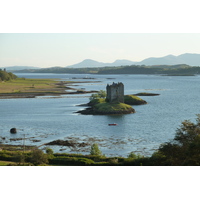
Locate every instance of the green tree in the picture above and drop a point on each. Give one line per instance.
(49, 151)
(38, 157)
(95, 150)
(184, 149)
(99, 95)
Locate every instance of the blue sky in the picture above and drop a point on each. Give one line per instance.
(63, 49)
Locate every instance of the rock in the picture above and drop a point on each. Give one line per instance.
(146, 94)
(13, 130)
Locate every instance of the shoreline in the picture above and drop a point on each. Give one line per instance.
(58, 88)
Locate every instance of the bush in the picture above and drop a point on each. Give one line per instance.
(4, 76)
(95, 150)
(99, 95)
(38, 157)
(74, 161)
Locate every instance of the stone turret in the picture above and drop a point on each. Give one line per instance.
(115, 92)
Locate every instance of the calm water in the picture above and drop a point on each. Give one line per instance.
(46, 118)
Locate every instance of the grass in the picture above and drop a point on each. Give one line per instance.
(133, 100)
(22, 85)
(5, 163)
(112, 107)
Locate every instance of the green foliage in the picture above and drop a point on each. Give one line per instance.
(95, 150)
(96, 101)
(185, 148)
(49, 151)
(132, 155)
(38, 157)
(99, 95)
(112, 107)
(5, 76)
(133, 100)
(19, 158)
(71, 161)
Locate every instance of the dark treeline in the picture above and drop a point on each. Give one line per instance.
(181, 69)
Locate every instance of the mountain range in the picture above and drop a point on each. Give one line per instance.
(187, 58)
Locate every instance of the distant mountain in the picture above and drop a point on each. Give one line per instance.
(92, 63)
(122, 63)
(187, 58)
(15, 68)
(87, 63)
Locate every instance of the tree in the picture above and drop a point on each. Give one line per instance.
(38, 157)
(184, 149)
(95, 150)
(49, 151)
(99, 95)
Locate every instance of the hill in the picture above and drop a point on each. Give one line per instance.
(88, 63)
(187, 58)
(15, 68)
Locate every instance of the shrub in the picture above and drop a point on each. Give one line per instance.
(95, 150)
(38, 157)
(100, 94)
(74, 161)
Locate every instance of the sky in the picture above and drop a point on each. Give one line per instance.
(52, 33)
(64, 49)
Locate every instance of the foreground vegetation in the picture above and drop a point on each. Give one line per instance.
(183, 150)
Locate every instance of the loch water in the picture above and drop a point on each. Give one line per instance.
(44, 119)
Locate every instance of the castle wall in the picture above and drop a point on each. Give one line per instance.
(115, 92)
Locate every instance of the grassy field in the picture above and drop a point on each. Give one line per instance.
(21, 85)
(5, 163)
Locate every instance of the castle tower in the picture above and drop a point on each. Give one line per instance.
(115, 92)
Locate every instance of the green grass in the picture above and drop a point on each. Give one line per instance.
(21, 85)
(133, 100)
(5, 163)
(112, 107)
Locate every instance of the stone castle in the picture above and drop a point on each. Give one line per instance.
(115, 92)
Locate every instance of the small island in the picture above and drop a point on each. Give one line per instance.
(113, 101)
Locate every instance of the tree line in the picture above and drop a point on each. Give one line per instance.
(180, 69)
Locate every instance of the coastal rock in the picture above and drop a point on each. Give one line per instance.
(67, 143)
(146, 94)
(13, 130)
